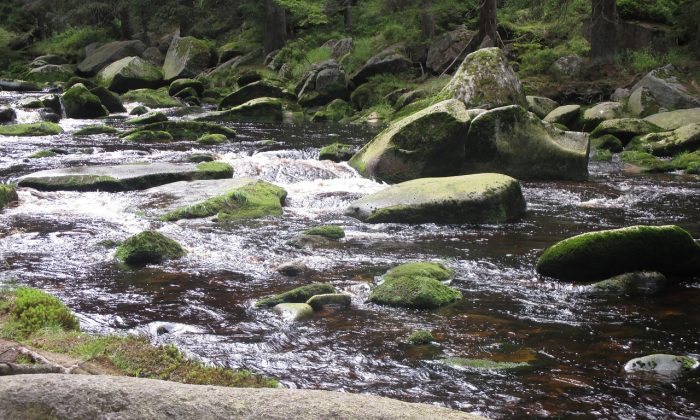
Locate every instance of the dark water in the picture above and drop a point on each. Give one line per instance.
(579, 342)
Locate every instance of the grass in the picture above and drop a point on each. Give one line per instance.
(646, 60)
(70, 42)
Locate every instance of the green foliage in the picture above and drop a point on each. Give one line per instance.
(647, 60)
(307, 12)
(647, 10)
(32, 310)
(70, 42)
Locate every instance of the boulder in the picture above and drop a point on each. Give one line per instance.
(227, 199)
(51, 73)
(187, 57)
(641, 103)
(181, 84)
(420, 337)
(18, 86)
(148, 118)
(294, 311)
(641, 283)
(120, 177)
(7, 115)
(408, 98)
(139, 110)
(53, 103)
(96, 129)
(329, 301)
(427, 143)
(601, 112)
(152, 98)
(514, 142)
(47, 59)
(336, 110)
(675, 119)
(389, 61)
(248, 78)
(684, 139)
(108, 54)
(625, 128)
(485, 364)
(130, 73)
(337, 152)
(569, 66)
(481, 198)
(147, 136)
(322, 83)
(566, 115)
(666, 89)
(259, 109)
(31, 130)
(292, 268)
(485, 80)
(540, 105)
(297, 295)
(328, 232)
(447, 49)
(8, 195)
(249, 92)
(620, 94)
(600, 255)
(186, 130)
(149, 247)
(109, 99)
(339, 47)
(79, 102)
(416, 285)
(154, 56)
(212, 139)
(663, 364)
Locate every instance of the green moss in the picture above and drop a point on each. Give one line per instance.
(34, 129)
(71, 42)
(258, 200)
(625, 128)
(186, 130)
(181, 84)
(96, 129)
(484, 364)
(420, 337)
(43, 154)
(147, 136)
(32, 310)
(416, 285)
(689, 162)
(152, 98)
(607, 142)
(149, 247)
(336, 110)
(200, 157)
(212, 139)
(330, 232)
(297, 295)
(79, 102)
(8, 194)
(214, 170)
(600, 255)
(337, 152)
(646, 161)
(148, 118)
(602, 155)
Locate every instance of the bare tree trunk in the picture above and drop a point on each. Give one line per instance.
(604, 27)
(487, 22)
(427, 22)
(275, 27)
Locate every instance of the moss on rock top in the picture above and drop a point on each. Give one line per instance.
(149, 247)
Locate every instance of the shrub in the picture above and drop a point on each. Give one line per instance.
(33, 310)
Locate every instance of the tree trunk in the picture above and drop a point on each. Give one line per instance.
(427, 22)
(604, 27)
(275, 27)
(125, 21)
(487, 22)
(347, 15)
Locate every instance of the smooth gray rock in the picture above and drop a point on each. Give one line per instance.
(168, 197)
(667, 90)
(540, 105)
(108, 54)
(641, 103)
(566, 115)
(663, 364)
(446, 49)
(672, 120)
(89, 397)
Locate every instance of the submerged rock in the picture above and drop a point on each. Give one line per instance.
(186, 57)
(186, 130)
(96, 129)
(481, 198)
(297, 295)
(634, 284)
(514, 142)
(130, 73)
(30, 130)
(427, 143)
(337, 152)
(228, 200)
(292, 268)
(675, 119)
(329, 232)
(600, 255)
(294, 311)
(486, 80)
(120, 177)
(8, 195)
(149, 247)
(416, 285)
(663, 364)
(420, 337)
(79, 102)
(484, 364)
(329, 301)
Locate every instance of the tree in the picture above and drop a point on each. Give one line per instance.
(275, 33)
(604, 27)
(488, 29)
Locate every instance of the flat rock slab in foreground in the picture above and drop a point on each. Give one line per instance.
(480, 198)
(91, 397)
(122, 177)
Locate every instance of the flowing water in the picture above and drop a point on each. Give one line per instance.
(205, 301)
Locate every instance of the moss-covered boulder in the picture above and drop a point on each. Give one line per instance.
(416, 285)
(672, 120)
(512, 141)
(8, 195)
(259, 109)
(182, 84)
(149, 247)
(130, 73)
(297, 295)
(51, 73)
(329, 232)
(481, 198)
(7, 115)
(329, 301)
(540, 105)
(109, 53)
(625, 128)
(566, 115)
(664, 364)
(642, 103)
(127, 177)
(294, 311)
(148, 136)
(485, 80)
(389, 61)
(607, 142)
(109, 99)
(249, 92)
(227, 199)
(598, 113)
(148, 118)
(186, 130)
(152, 98)
(212, 139)
(600, 255)
(336, 110)
(187, 57)
(139, 110)
(683, 139)
(337, 152)
(92, 130)
(31, 130)
(79, 102)
(427, 143)
(641, 283)
(420, 337)
(44, 154)
(645, 162)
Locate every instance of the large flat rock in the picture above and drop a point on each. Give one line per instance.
(112, 397)
(118, 177)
